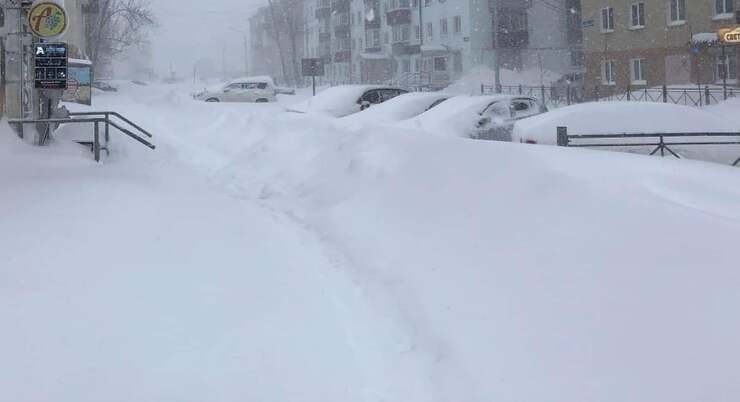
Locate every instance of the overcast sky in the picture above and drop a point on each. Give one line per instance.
(190, 30)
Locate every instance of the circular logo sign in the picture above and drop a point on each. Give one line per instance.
(47, 19)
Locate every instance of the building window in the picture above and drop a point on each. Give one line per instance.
(725, 68)
(430, 30)
(723, 8)
(406, 66)
(677, 11)
(637, 71)
(440, 64)
(457, 24)
(576, 58)
(400, 33)
(607, 19)
(417, 32)
(443, 26)
(607, 73)
(637, 14)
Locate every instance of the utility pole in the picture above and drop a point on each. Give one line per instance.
(246, 56)
(496, 50)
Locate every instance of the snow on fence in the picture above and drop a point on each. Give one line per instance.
(556, 96)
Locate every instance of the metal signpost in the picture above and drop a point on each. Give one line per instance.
(312, 67)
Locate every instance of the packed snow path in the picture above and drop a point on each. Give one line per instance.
(264, 256)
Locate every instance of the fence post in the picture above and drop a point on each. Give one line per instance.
(567, 94)
(665, 93)
(543, 94)
(662, 147)
(629, 92)
(482, 89)
(499, 88)
(562, 136)
(596, 92)
(706, 95)
(521, 89)
(96, 143)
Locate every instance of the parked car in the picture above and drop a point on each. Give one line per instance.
(344, 100)
(250, 89)
(480, 117)
(400, 108)
(498, 118)
(104, 86)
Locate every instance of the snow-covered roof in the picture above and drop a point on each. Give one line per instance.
(705, 37)
(79, 61)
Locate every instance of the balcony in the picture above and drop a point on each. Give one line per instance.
(512, 40)
(344, 56)
(404, 49)
(376, 49)
(340, 6)
(399, 16)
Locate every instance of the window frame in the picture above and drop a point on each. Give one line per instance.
(611, 79)
(640, 15)
(727, 13)
(607, 16)
(634, 79)
(680, 9)
(731, 61)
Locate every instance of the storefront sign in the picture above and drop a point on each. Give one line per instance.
(729, 36)
(79, 84)
(50, 65)
(47, 20)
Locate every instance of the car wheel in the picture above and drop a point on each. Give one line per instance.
(212, 100)
(261, 100)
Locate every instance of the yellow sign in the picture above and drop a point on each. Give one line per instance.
(47, 20)
(730, 35)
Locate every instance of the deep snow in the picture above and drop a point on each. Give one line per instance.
(263, 255)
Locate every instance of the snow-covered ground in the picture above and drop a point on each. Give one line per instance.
(272, 256)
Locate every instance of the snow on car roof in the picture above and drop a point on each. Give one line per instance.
(257, 78)
(399, 108)
(455, 116)
(337, 101)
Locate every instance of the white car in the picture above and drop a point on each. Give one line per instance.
(480, 117)
(344, 100)
(250, 89)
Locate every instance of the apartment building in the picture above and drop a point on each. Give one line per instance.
(555, 36)
(633, 43)
(431, 43)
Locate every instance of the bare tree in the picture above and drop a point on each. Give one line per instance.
(115, 26)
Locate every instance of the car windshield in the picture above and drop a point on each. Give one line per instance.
(369, 201)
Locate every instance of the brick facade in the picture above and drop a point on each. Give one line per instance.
(670, 54)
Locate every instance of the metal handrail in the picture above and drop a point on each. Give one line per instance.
(114, 114)
(95, 121)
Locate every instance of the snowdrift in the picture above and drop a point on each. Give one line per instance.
(287, 258)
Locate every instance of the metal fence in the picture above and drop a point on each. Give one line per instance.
(564, 95)
(663, 142)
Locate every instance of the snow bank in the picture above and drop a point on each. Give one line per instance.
(470, 83)
(399, 108)
(631, 117)
(276, 256)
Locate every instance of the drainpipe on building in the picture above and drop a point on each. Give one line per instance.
(496, 60)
